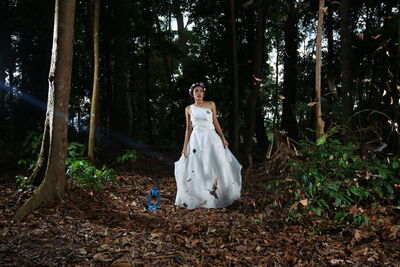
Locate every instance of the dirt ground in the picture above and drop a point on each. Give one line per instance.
(114, 228)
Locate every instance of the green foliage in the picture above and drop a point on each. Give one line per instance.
(76, 150)
(333, 180)
(84, 173)
(30, 150)
(88, 175)
(128, 156)
(21, 180)
(257, 221)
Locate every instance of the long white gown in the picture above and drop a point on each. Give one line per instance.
(209, 176)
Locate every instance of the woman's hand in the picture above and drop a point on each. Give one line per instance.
(184, 152)
(225, 143)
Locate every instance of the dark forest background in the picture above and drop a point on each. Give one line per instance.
(314, 123)
(152, 51)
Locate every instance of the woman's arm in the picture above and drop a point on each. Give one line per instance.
(188, 131)
(217, 126)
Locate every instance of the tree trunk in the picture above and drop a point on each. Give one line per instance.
(346, 60)
(11, 70)
(94, 110)
(5, 37)
(261, 131)
(5, 49)
(396, 89)
(148, 108)
(107, 68)
(319, 127)
(39, 172)
(235, 89)
(121, 122)
(258, 60)
(330, 56)
(289, 122)
(164, 51)
(182, 40)
(53, 185)
(276, 95)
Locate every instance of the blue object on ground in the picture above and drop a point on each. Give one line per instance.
(153, 199)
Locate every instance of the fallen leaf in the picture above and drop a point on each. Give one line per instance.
(336, 261)
(394, 230)
(157, 234)
(304, 202)
(107, 239)
(213, 217)
(353, 209)
(193, 229)
(241, 248)
(101, 257)
(357, 235)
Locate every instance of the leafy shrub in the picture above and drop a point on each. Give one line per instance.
(30, 150)
(129, 155)
(76, 150)
(21, 180)
(84, 173)
(333, 179)
(88, 175)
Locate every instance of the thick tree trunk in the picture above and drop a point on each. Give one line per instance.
(289, 122)
(121, 122)
(53, 185)
(258, 60)
(346, 60)
(94, 109)
(235, 89)
(319, 123)
(39, 172)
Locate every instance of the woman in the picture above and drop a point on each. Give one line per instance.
(207, 174)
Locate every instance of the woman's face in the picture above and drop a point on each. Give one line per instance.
(198, 93)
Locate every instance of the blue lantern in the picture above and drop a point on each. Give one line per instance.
(153, 199)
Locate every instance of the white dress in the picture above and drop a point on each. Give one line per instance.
(209, 176)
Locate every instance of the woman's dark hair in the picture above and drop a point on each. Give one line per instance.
(196, 85)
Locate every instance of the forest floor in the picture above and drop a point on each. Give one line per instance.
(113, 228)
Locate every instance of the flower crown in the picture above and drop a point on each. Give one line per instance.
(195, 85)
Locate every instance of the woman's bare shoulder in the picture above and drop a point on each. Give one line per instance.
(210, 103)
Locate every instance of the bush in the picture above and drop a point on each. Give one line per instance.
(129, 155)
(88, 175)
(76, 150)
(333, 180)
(30, 150)
(84, 173)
